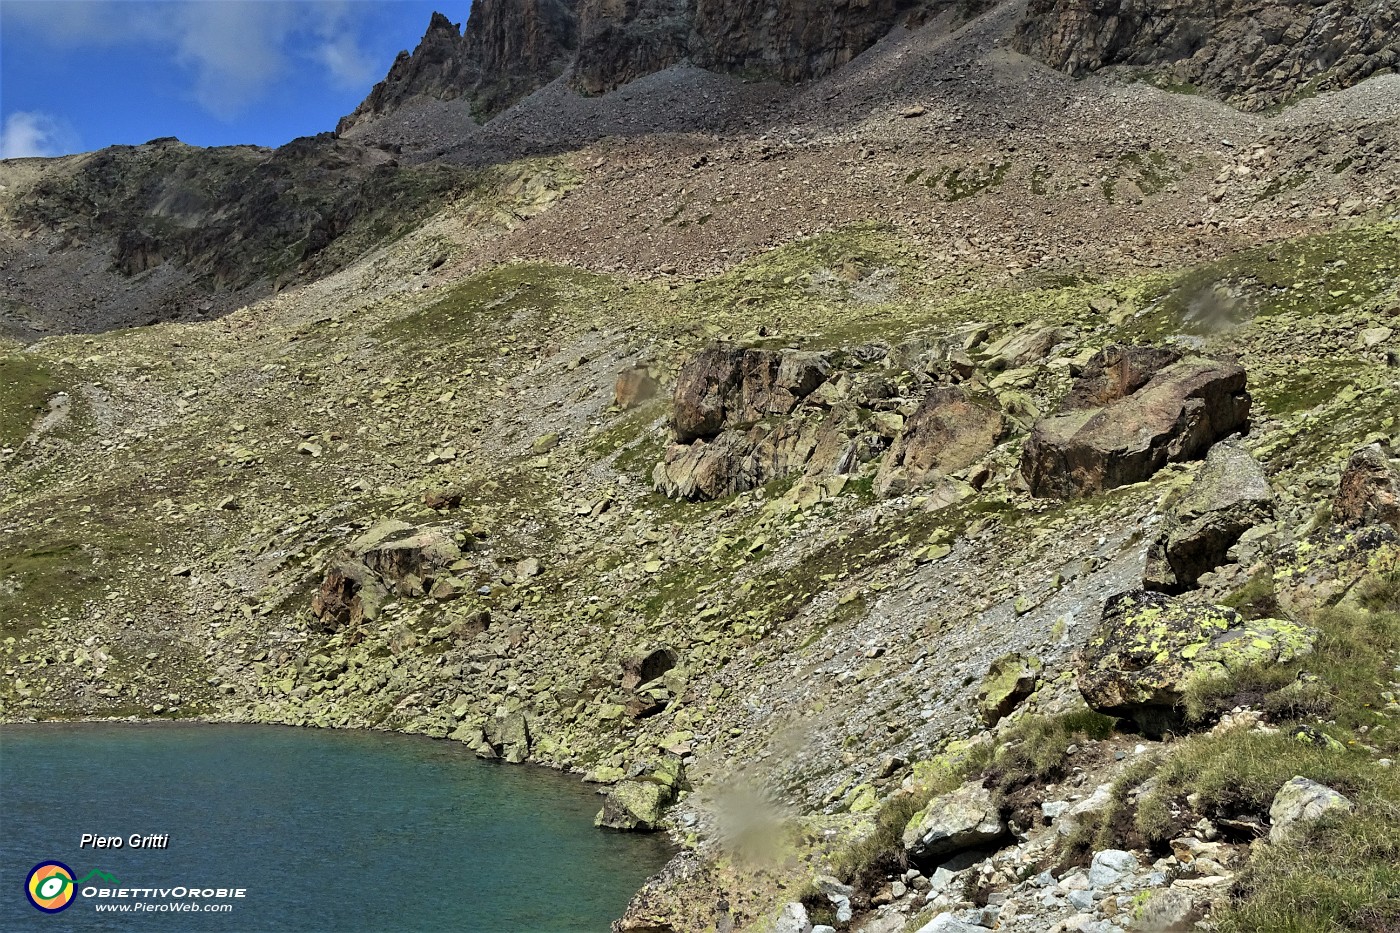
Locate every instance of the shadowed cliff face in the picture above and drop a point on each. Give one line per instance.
(510, 48)
(792, 40)
(1254, 53)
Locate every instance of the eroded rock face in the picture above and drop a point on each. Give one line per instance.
(1255, 53)
(1230, 495)
(1369, 493)
(949, 431)
(727, 386)
(1150, 647)
(963, 819)
(1175, 416)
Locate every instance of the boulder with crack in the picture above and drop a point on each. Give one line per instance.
(1175, 416)
(728, 386)
(1369, 493)
(1230, 495)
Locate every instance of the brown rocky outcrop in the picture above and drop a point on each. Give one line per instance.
(949, 431)
(1255, 53)
(787, 40)
(727, 387)
(350, 593)
(1369, 493)
(644, 668)
(1176, 416)
(1230, 495)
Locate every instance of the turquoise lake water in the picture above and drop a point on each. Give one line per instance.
(325, 830)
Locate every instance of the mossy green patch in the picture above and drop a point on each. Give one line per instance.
(27, 383)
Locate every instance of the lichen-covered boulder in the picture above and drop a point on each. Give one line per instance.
(1150, 647)
(1176, 416)
(1230, 495)
(634, 806)
(645, 666)
(963, 819)
(727, 386)
(947, 432)
(409, 563)
(1009, 680)
(1369, 492)
(1302, 801)
(639, 803)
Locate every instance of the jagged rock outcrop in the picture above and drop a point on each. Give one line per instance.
(1302, 801)
(727, 387)
(1114, 373)
(638, 803)
(1150, 647)
(509, 49)
(1369, 493)
(392, 556)
(1176, 416)
(1255, 53)
(1230, 495)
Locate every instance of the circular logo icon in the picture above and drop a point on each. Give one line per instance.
(50, 886)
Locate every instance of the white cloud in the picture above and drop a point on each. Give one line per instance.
(234, 50)
(27, 134)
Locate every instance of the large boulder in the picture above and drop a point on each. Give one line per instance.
(639, 803)
(949, 431)
(726, 386)
(1302, 801)
(1030, 344)
(963, 819)
(1369, 493)
(646, 666)
(1150, 647)
(1176, 416)
(1230, 495)
(410, 563)
(739, 460)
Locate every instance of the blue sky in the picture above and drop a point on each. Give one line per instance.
(77, 75)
